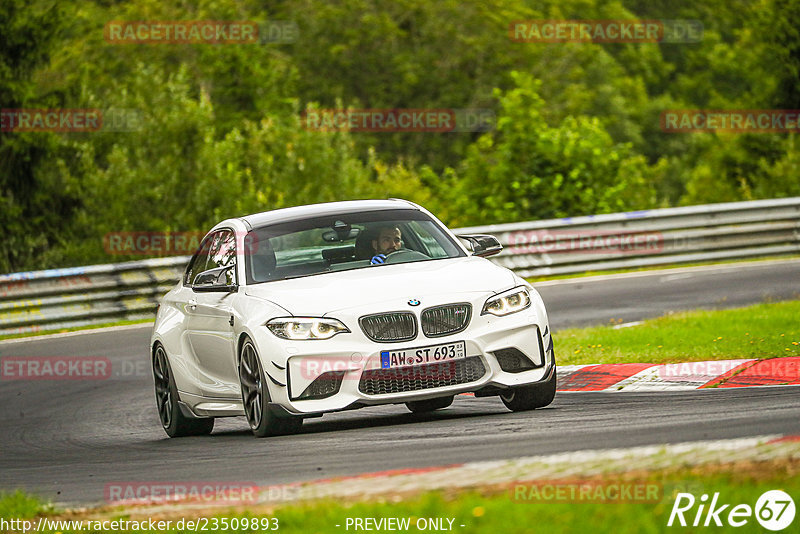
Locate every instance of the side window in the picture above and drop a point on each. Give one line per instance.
(198, 262)
(217, 250)
(223, 251)
(223, 254)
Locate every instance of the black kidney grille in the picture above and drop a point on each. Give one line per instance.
(444, 320)
(420, 377)
(389, 327)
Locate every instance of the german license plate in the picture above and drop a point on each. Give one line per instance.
(394, 359)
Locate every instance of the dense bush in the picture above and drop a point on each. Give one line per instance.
(221, 133)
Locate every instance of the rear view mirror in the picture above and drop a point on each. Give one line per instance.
(341, 232)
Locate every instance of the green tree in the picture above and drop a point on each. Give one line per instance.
(528, 169)
(35, 205)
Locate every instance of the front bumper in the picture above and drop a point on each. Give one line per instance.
(353, 357)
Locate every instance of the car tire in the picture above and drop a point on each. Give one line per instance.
(173, 421)
(523, 398)
(255, 398)
(429, 405)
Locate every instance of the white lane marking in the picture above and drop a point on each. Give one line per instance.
(626, 325)
(663, 272)
(79, 333)
(672, 277)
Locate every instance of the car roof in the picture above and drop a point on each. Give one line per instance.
(329, 208)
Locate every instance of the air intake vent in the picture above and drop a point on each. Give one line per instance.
(420, 377)
(513, 360)
(325, 385)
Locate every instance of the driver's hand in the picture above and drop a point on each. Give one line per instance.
(378, 259)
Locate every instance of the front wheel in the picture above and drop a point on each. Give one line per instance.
(523, 398)
(173, 421)
(255, 398)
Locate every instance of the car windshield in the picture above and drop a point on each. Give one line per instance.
(344, 242)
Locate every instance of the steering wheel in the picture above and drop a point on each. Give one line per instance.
(405, 255)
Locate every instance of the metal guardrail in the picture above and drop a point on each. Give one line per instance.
(711, 232)
(64, 298)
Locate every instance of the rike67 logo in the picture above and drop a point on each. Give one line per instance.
(774, 510)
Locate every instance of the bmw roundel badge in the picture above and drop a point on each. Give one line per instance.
(413, 302)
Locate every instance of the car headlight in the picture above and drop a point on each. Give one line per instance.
(509, 302)
(297, 328)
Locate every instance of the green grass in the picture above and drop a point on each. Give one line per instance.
(765, 330)
(497, 510)
(21, 505)
(502, 513)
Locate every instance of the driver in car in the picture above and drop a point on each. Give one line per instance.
(388, 240)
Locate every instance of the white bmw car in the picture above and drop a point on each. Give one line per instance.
(296, 312)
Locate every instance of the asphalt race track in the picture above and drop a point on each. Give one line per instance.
(68, 439)
(581, 302)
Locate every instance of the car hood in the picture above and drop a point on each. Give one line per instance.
(385, 286)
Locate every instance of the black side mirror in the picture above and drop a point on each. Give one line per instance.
(482, 245)
(215, 280)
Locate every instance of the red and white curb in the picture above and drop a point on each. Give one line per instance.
(679, 376)
(391, 485)
(579, 464)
